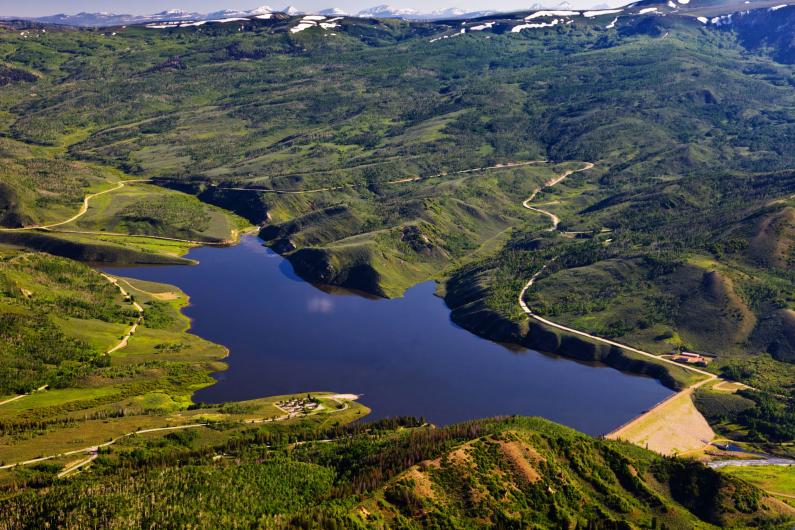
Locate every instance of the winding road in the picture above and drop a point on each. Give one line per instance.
(51, 227)
(122, 343)
(126, 338)
(79, 214)
(555, 222)
(560, 178)
(15, 398)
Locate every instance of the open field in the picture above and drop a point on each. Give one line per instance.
(776, 480)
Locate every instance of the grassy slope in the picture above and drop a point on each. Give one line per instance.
(71, 299)
(775, 479)
(70, 315)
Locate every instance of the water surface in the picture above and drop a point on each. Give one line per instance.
(404, 356)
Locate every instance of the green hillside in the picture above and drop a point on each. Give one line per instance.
(638, 165)
(503, 473)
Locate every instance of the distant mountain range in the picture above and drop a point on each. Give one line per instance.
(379, 11)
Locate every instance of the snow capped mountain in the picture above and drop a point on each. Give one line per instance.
(174, 12)
(231, 13)
(562, 6)
(103, 19)
(332, 12)
(262, 10)
(225, 13)
(386, 11)
(113, 19)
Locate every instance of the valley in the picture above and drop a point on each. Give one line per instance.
(337, 211)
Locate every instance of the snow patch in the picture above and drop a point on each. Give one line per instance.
(647, 10)
(231, 19)
(481, 27)
(265, 16)
(776, 8)
(164, 25)
(314, 21)
(683, 2)
(724, 20)
(612, 24)
(447, 36)
(540, 14)
(302, 26)
(703, 20)
(520, 27)
(599, 12)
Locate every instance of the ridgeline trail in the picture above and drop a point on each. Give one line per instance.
(506, 165)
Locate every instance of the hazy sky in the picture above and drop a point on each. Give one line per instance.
(49, 7)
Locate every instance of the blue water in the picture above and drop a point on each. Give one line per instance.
(404, 356)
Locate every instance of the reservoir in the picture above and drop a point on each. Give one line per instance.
(404, 356)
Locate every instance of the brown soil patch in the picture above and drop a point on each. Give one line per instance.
(460, 456)
(168, 295)
(674, 427)
(518, 455)
(778, 506)
(435, 463)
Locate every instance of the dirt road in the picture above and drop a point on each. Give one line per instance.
(647, 426)
(79, 214)
(126, 338)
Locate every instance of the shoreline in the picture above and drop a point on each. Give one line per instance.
(585, 363)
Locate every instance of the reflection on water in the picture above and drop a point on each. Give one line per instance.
(404, 356)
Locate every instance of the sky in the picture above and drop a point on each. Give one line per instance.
(49, 7)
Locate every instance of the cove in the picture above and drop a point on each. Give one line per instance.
(404, 356)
